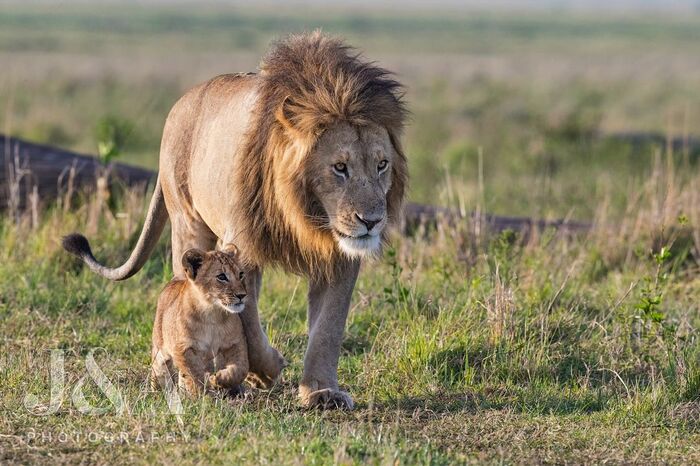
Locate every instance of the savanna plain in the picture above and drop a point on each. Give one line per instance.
(463, 345)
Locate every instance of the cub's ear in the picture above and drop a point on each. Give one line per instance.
(192, 260)
(231, 249)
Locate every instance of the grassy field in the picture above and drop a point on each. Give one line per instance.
(461, 347)
(537, 93)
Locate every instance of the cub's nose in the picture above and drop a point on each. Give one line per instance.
(240, 296)
(368, 222)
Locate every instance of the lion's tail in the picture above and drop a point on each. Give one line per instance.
(156, 217)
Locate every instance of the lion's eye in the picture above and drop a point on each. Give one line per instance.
(340, 169)
(382, 165)
(222, 277)
(240, 276)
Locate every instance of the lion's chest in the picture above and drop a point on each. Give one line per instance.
(214, 337)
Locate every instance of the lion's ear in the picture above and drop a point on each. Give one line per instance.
(192, 260)
(399, 178)
(283, 115)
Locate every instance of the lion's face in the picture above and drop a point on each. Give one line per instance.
(219, 276)
(350, 176)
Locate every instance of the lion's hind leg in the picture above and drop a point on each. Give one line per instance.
(162, 371)
(187, 232)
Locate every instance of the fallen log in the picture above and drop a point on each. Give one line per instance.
(687, 146)
(50, 172)
(423, 215)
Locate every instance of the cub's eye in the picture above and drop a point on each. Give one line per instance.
(382, 165)
(340, 169)
(241, 276)
(222, 277)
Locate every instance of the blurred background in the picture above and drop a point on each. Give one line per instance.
(547, 109)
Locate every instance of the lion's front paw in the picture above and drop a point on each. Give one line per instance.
(326, 398)
(212, 382)
(266, 370)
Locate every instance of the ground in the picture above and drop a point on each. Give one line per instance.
(462, 345)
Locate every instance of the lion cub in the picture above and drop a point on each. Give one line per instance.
(197, 329)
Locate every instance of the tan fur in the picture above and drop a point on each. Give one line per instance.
(308, 84)
(299, 165)
(195, 337)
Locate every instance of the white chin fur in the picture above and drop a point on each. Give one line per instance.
(360, 247)
(235, 308)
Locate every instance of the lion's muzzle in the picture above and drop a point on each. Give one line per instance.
(362, 235)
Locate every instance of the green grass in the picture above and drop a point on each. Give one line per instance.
(460, 347)
(533, 92)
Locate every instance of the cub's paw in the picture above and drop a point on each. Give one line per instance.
(265, 371)
(190, 387)
(327, 398)
(216, 388)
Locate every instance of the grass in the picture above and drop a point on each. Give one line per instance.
(460, 347)
(537, 93)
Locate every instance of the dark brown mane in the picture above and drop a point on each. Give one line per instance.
(308, 82)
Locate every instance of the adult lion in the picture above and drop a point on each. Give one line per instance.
(301, 167)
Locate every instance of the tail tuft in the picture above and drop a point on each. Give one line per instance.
(77, 244)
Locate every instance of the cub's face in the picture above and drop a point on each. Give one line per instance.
(351, 175)
(219, 276)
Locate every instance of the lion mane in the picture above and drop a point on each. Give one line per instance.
(308, 82)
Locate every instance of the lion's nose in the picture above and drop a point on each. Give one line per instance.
(369, 223)
(240, 296)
